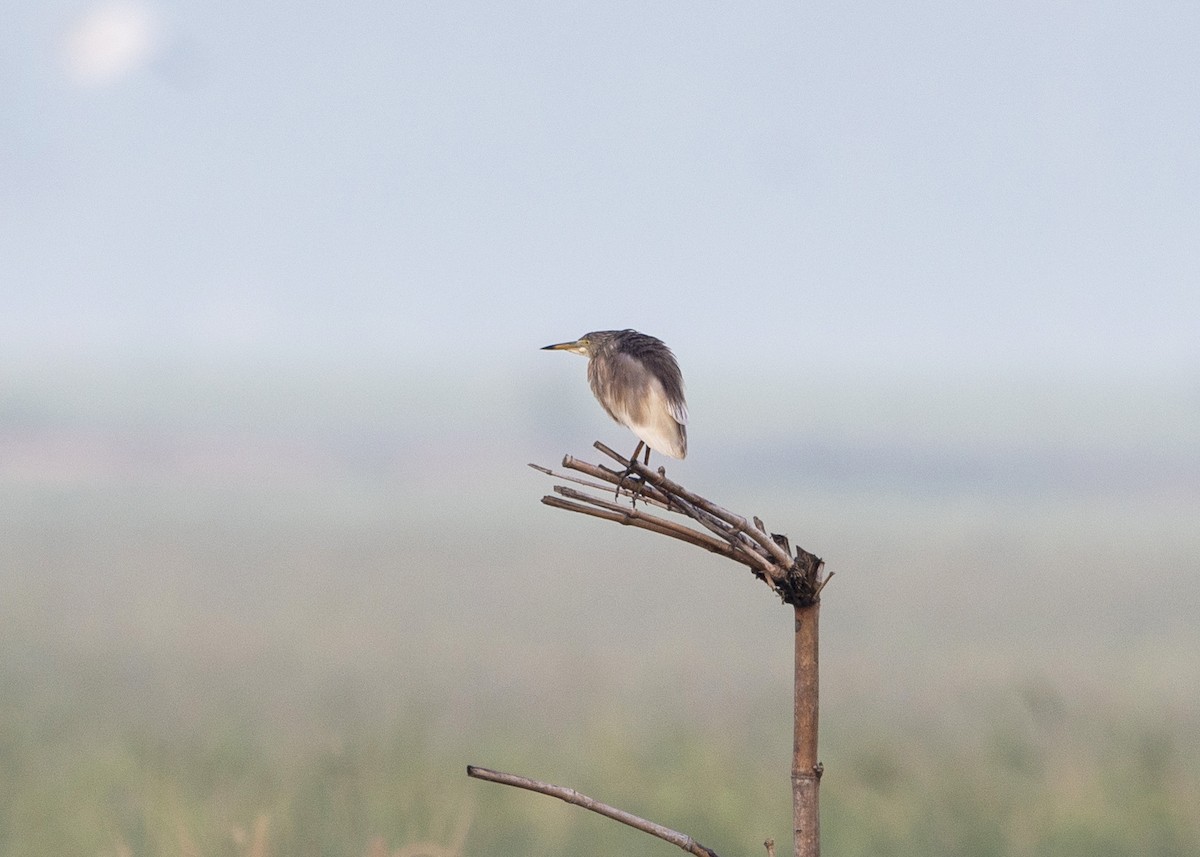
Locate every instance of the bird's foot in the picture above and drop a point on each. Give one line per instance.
(632, 475)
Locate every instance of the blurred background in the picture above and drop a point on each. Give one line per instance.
(273, 280)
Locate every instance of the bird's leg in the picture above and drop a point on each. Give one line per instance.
(629, 471)
(641, 482)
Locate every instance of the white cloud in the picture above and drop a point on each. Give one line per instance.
(109, 41)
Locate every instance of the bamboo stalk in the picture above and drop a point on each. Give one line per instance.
(806, 767)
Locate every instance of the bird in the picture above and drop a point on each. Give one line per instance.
(637, 381)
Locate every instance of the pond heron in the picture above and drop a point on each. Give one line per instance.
(637, 381)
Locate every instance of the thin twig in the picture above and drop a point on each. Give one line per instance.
(767, 554)
(659, 480)
(633, 518)
(821, 585)
(671, 499)
(652, 499)
(568, 477)
(569, 795)
(720, 527)
(753, 548)
(644, 490)
(628, 518)
(734, 549)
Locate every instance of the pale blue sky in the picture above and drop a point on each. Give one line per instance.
(945, 187)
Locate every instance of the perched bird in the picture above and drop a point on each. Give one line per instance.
(637, 381)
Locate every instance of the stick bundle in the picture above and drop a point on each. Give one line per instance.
(796, 579)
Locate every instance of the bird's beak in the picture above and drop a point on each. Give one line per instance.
(576, 347)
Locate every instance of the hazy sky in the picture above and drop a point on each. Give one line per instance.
(935, 187)
(783, 191)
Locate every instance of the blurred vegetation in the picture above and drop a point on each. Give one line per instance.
(109, 758)
(281, 621)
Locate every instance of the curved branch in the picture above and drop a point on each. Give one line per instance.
(571, 796)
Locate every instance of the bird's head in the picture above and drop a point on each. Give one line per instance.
(584, 345)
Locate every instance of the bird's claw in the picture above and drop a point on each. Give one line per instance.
(630, 474)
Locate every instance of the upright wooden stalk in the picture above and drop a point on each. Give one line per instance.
(797, 581)
(806, 768)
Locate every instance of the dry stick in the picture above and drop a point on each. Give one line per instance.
(653, 498)
(744, 550)
(632, 513)
(716, 525)
(642, 522)
(613, 478)
(733, 549)
(657, 479)
(672, 502)
(647, 491)
(567, 477)
(654, 525)
(571, 796)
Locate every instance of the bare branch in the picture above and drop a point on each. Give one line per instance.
(661, 481)
(624, 485)
(569, 795)
(768, 555)
(720, 527)
(568, 477)
(633, 518)
(655, 496)
(666, 494)
(730, 545)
